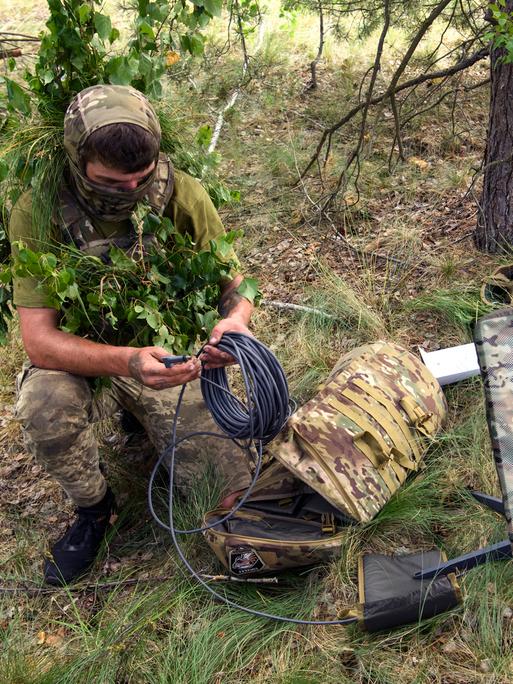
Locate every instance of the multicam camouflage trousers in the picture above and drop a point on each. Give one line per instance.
(57, 411)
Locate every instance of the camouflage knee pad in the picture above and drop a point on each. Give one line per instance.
(54, 408)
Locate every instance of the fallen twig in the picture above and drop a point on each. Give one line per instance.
(237, 91)
(229, 578)
(43, 590)
(296, 307)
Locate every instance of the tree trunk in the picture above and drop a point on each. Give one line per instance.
(494, 230)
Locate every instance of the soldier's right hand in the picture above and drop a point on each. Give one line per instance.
(147, 367)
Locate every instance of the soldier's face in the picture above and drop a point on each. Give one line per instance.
(97, 172)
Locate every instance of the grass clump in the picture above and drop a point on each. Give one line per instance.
(460, 308)
(338, 320)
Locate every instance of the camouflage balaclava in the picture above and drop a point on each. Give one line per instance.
(90, 110)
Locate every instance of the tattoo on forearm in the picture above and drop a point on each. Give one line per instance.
(228, 302)
(134, 366)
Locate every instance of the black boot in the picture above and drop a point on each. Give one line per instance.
(130, 424)
(76, 551)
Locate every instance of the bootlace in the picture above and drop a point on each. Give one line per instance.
(85, 524)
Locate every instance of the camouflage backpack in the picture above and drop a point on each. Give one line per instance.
(338, 461)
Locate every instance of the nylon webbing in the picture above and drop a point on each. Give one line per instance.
(359, 441)
(327, 472)
(389, 406)
(381, 417)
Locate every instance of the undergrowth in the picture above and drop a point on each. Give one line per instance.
(397, 266)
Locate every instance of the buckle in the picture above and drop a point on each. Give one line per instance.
(328, 524)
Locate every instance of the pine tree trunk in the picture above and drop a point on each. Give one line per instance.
(494, 230)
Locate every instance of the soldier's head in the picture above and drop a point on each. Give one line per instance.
(112, 141)
(121, 155)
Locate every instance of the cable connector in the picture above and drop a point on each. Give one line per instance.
(170, 361)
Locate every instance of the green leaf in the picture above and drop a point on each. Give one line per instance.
(121, 70)
(197, 45)
(103, 25)
(49, 260)
(5, 275)
(11, 64)
(146, 30)
(213, 7)
(84, 13)
(249, 290)
(18, 98)
(204, 135)
(47, 76)
(145, 64)
(185, 43)
(153, 321)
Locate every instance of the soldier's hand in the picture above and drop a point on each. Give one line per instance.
(147, 367)
(213, 357)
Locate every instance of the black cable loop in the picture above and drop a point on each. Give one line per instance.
(254, 424)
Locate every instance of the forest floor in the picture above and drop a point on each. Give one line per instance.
(398, 264)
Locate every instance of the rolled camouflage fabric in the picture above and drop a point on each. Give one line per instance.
(94, 108)
(493, 336)
(497, 289)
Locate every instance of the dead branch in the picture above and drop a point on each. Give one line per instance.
(295, 307)
(423, 28)
(252, 580)
(245, 67)
(19, 36)
(105, 586)
(313, 64)
(462, 50)
(354, 155)
(443, 96)
(397, 134)
(15, 52)
(449, 71)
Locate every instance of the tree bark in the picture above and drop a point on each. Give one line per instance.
(494, 230)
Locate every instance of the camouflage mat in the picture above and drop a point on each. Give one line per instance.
(493, 337)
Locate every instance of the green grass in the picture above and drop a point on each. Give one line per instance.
(166, 629)
(460, 308)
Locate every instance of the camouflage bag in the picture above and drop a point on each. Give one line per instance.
(284, 524)
(367, 428)
(338, 461)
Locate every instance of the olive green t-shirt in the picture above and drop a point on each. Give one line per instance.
(190, 210)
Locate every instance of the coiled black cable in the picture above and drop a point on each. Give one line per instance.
(249, 425)
(267, 392)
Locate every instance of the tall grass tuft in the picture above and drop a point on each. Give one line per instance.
(460, 308)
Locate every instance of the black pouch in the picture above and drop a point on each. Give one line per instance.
(392, 597)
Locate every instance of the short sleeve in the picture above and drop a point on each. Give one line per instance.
(29, 292)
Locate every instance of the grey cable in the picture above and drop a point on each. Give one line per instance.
(257, 422)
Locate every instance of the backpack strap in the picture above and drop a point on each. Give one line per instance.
(392, 410)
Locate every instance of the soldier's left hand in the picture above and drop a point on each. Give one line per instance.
(215, 358)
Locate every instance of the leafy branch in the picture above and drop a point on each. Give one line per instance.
(165, 294)
(78, 49)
